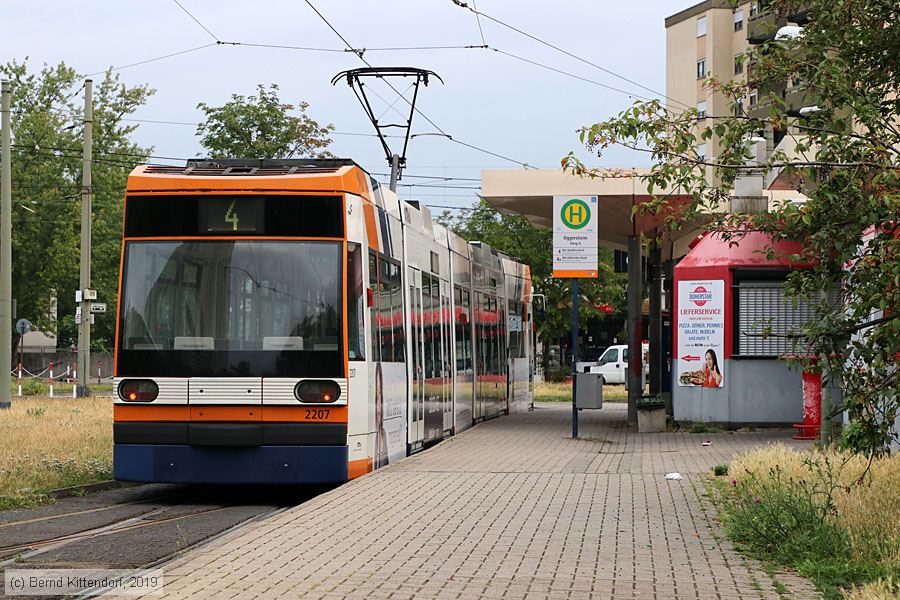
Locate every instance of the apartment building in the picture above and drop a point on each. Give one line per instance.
(710, 39)
(706, 40)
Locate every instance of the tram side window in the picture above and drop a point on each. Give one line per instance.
(389, 310)
(463, 334)
(356, 302)
(516, 330)
(427, 328)
(373, 311)
(397, 314)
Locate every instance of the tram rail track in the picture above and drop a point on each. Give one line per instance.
(97, 509)
(138, 522)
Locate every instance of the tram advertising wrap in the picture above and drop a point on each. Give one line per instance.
(290, 321)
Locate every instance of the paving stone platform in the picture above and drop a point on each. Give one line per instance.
(512, 508)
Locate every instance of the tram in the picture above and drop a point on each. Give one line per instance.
(292, 321)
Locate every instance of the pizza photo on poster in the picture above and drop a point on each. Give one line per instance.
(701, 333)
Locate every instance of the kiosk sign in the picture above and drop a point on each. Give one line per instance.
(575, 244)
(701, 332)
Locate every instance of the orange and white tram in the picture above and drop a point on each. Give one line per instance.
(291, 321)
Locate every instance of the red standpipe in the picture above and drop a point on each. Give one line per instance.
(812, 405)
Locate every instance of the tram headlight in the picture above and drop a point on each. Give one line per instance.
(319, 391)
(138, 390)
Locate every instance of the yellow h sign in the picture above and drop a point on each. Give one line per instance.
(575, 214)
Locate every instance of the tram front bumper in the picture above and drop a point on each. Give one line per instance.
(261, 464)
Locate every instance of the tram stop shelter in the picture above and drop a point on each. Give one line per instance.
(530, 193)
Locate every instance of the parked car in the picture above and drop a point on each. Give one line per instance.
(613, 363)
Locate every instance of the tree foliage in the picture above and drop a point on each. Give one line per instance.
(515, 236)
(845, 162)
(46, 186)
(262, 126)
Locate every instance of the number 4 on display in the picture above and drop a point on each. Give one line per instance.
(231, 216)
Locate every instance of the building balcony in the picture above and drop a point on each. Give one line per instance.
(800, 15)
(763, 26)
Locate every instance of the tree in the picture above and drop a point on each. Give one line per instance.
(846, 162)
(515, 236)
(46, 182)
(261, 126)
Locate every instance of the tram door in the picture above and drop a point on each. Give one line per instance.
(480, 366)
(433, 357)
(417, 359)
(447, 360)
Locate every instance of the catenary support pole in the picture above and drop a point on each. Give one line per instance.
(395, 171)
(5, 246)
(574, 355)
(634, 375)
(84, 272)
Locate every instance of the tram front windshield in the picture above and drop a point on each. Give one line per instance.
(242, 308)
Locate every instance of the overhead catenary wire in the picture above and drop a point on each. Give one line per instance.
(478, 21)
(418, 111)
(197, 21)
(464, 5)
(150, 60)
(567, 74)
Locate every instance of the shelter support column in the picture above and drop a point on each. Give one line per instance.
(654, 267)
(635, 296)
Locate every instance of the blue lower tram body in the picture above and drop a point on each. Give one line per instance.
(170, 463)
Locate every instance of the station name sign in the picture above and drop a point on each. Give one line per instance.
(575, 244)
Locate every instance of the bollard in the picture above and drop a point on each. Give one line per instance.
(20, 380)
(812, 406)
(74, 380)
(51, 378)
(98, 371)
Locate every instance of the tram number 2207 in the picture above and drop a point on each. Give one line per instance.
(317, 414)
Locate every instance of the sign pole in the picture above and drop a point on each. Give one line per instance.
(575, 249)
(5, 243)
(574, 355)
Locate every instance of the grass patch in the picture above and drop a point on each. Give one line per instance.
(41, 387)
(830, 516)
(562, 392)
(48, 443)
(698, 427)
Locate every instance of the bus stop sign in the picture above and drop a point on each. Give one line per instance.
(23, 326)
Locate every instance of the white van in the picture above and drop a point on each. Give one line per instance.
(613, 364)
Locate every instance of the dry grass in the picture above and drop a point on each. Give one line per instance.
(562, 392)
(48, 443)
(883, 589)
(868, 503)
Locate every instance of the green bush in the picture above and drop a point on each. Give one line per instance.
(557, 374)
(859, 439)
(720, 470)
(33, 387)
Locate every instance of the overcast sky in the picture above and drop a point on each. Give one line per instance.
(489, 100)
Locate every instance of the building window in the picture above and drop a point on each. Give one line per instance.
(738, 19)
(701, 26)
(738, 64)
(754, 98)
(701, 152)
(739, 107)
(701, 68)
(754, 9)
(701, 109)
